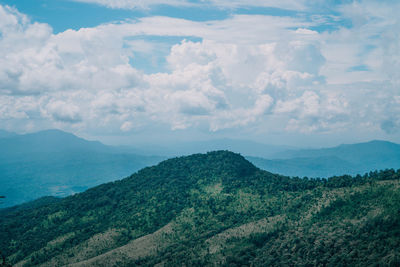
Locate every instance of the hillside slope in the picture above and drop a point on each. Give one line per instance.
(58, 163)
(212, 209)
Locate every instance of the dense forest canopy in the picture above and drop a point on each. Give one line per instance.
(207, 209)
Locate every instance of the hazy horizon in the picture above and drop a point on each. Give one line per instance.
(199, 133)
(160, 144)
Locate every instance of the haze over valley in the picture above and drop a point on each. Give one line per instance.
(199, 133)
(56, 163)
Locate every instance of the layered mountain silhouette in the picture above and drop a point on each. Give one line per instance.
(214, 209)
(57, 163)
(344, 159)
(244, 147)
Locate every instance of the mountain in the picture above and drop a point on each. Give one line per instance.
(57, 163)
(344, 159)
(351, 152)
(214, 209)
(49, 141)
(310, 167)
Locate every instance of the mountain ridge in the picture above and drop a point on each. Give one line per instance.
(57, 163)
(211, 209)
(343, 148)
(343, 159)
(50, 141)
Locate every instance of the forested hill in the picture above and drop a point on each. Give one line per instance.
(211, 209)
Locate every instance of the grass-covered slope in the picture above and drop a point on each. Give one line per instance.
(211, 209)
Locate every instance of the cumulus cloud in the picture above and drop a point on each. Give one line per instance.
(126, 126)
(64, 112)
(242, 71)
(285, 4)
(315, 112)
(132, 4)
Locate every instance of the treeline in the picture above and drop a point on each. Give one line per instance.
(207, 195)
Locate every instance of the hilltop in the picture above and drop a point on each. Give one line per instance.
(211, 209)
(57, 163)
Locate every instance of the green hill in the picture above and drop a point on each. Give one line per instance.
(214, 209)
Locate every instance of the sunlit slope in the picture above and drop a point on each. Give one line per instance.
(212, 209)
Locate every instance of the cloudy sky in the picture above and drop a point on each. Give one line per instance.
(296, 72)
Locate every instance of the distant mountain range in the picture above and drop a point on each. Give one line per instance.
(244, 147)
(344, 159)
(324, 162)
(214, 209)
(57, 163)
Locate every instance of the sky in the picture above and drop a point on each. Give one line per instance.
(287, 72)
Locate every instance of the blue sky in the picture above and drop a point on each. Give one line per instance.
(66, 14)
(63, 15)
(310, 73)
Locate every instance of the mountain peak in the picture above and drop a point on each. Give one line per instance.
(55, 132)
(208, 209)
(219, 160)
(223, 165)
(52, 140)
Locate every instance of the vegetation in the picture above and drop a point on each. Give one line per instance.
(3, 260)
(212, 209)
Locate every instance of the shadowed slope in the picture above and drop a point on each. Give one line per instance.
(210, 209)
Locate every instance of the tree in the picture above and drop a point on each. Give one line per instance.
(3, 261)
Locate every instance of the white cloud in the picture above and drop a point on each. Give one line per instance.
(246, 70)
(305, 31)
(64, 112)
(284, 4)
(126, 126)
(144, 4)
(371, 41)
(132, 4)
